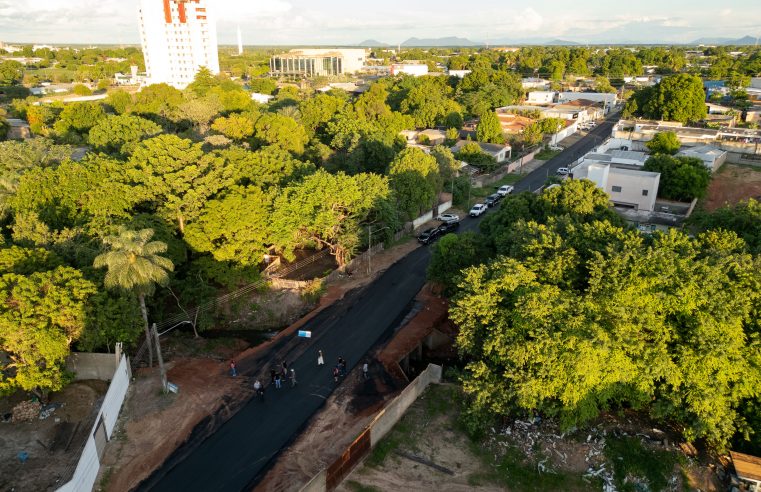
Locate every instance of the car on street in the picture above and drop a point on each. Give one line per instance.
(563, 171)
(448, 218)
(429, 235)
(478, 209)
(493, 199)
(448, 227)
(505, 190)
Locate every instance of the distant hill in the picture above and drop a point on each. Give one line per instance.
(744, 41)
(448, 41)
(372, 43)
(562, 42)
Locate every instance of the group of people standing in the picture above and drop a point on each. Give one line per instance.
(284, 374)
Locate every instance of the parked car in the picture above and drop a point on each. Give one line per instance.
(493, 199)
(429, 235)
(556, 148)
(505, 190)
(448, 218)
(563, 171)
(448, 227)
(478, 209)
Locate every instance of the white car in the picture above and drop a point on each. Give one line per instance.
(448, 218)
(556, 148)
(563, 171)
(505, 190)
(478, 209)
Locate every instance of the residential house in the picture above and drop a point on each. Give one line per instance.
(458, 73)
(535, 83)
(541, 97)
(501, 153)
(627, 186)
(608, 99)
(712, 157)
(414, 69)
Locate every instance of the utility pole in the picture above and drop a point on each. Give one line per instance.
(162, 371)
(370, 247)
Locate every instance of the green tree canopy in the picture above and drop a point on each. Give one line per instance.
(234, 227)
(682, 178)
(177, 176)
(489, 129)
(744, 219)
(135, 264)
(664, 143)
(327, 210)
(42, 314)
(120, 133)
(76, 119)
(662, 327)
(676, 98)
(415, 181)
(283, 131)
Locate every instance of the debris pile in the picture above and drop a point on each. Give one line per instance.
(26, 411)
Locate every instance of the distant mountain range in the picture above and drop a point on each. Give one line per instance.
(456, 41)
(372, 43)
(744, 41)
(448, 41)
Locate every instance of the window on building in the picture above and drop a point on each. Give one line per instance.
(644, 192)
(616, 189)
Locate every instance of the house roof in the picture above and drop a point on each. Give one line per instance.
(747, 467)
(489, 148)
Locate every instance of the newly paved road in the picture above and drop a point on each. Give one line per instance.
(238, 453)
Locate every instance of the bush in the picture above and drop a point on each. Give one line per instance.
(81, 90)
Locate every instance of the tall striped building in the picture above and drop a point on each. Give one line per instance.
(178, 37)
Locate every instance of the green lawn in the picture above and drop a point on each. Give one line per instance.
(546, 154)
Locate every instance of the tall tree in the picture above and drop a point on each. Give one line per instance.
(489, 129)
(120, 133)
(177, 175)
(135, 264)
(415, 180)
(664, 143)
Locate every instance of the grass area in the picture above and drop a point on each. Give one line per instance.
(358, 487)
(546, 154)
(513, 470)
(631, 459)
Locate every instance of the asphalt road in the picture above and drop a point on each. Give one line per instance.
(235, 456)
(538, 177)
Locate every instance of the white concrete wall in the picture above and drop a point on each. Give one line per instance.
(422, 220)
(390, 415)
(89, 463)
(540, 97)
(92, 366)
(632, 183)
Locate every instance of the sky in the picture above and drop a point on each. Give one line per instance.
(346, 22)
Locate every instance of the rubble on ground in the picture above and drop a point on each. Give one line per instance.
(26, 411)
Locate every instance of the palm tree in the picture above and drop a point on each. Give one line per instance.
(135, 264)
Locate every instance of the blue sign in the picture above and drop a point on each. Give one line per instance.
(305, 334)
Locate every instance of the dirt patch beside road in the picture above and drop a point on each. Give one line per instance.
(49, 462)
(732, 184)
(153, 425)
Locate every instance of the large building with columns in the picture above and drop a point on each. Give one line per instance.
(318, 62)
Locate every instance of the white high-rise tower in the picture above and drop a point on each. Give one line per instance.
(179, 37)
(240, 42)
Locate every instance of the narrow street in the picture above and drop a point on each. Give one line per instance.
(238, 453)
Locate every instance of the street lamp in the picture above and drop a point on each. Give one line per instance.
(370, 246)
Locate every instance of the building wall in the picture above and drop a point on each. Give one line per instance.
(632, 185)
(318, 62)
(540, 97)
(605, 97)
(408, 68)
(89, 461)
(178, 38)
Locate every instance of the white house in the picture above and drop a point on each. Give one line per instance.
(261, 98)
(712, 157)
(626, 187)
(414, 69)
(607, 98)
(541, 97)
(458, 73)
(535, 83)
(501, 153)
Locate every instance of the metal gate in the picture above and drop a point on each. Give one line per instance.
(344, 464)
